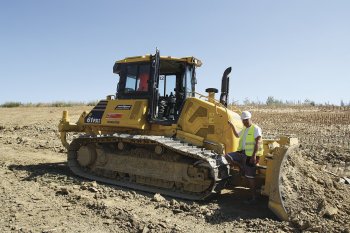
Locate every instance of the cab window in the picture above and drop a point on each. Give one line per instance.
(131, 77)
(137, 78)
(189, 73)
(167, 84)
(143, 78)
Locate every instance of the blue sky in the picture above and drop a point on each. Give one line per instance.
(65, 50)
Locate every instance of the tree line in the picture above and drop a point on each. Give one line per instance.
(272, 101)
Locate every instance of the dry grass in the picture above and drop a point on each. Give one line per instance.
(12, 104)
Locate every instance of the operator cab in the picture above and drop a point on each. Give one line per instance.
(165, 81)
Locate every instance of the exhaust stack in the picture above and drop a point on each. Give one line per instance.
(225, 87)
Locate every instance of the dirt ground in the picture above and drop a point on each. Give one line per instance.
(38, 193)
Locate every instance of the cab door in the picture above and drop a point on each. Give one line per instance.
(154, 92)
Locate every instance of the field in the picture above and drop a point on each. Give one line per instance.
(324, 132)
(38, 193)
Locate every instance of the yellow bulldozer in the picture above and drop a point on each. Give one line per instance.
(157, 134)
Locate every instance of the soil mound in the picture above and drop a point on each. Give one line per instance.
(314, 199)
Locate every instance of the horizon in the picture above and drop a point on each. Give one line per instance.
(246, 102)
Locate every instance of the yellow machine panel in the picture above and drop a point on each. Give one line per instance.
(207, 121)
(119, 113)
(126, 113)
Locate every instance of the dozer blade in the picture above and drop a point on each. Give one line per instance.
(273, 184)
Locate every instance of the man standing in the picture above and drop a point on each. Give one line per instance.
(249, 150)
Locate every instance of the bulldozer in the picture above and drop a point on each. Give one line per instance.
(157, 134)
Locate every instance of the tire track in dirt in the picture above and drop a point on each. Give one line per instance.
(49, 197)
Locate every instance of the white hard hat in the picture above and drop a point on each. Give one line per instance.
(246, 115)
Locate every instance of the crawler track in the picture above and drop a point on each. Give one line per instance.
(180, 170)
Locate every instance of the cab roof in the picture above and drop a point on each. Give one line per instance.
(147, 58)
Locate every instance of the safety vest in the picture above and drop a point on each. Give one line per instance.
(250, 142)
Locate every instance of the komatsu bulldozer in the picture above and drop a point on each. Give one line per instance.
(157, 134)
